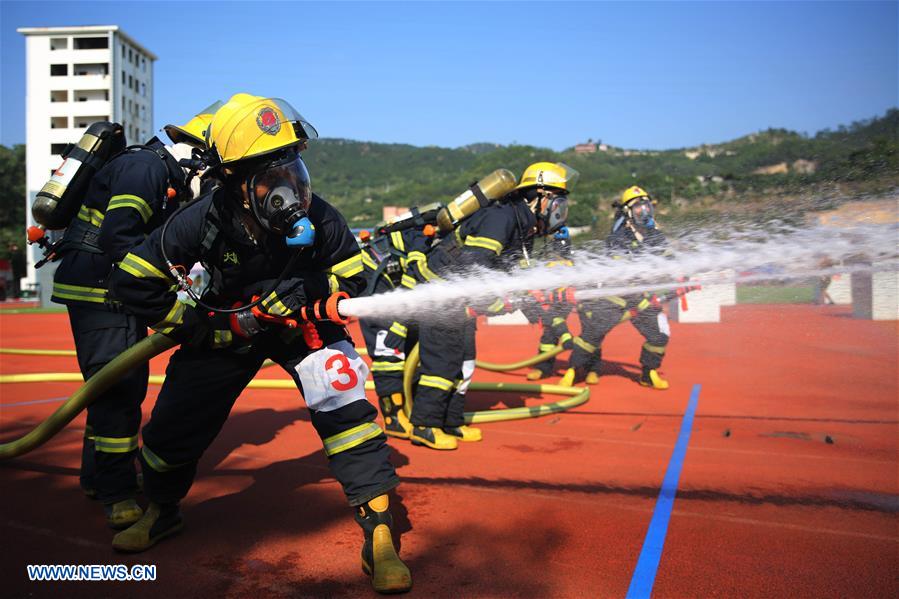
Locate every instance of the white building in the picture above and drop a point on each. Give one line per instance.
(76, 76)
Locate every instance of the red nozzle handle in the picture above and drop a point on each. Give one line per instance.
(34, 234)
(326, 309)
(261, 316)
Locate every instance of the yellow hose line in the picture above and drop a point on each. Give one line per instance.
(37, 352)
(497, 367)
(578, 396)
(135, 355)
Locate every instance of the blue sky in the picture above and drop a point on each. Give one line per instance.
(640, 75)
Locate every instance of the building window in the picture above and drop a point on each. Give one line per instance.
(57, 149)
(130, 82)
(143, 89)
(82, 122)
(143, 64)
(123, 103)
(59, 70)
(59, 122)
(123, 50)
(88, 95)
(130, 55)
(92, 68)
(59, 43)
(91, 43)
(59, 95)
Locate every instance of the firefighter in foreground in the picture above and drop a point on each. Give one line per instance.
(129, 197)
(549, 309)
(390, 260)
(497, 236)
(262, 234)
(634, 231)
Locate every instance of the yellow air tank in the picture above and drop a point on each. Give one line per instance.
(490, 188)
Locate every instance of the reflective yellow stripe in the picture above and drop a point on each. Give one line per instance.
(545, 347)
(115, 444)
(396, 239)
(90, 215)
(416, 256)
(221, 339)
(656, 349)
(140, 268)
(368, 262)
(437, 382)
(351, 438)
(485, 243)
(273, 305)
(584, 345)
(350, 267)
(131, 201)
(174, 318)
(398, 329)
(382, 366)
(333, 284)
(564, 338)
(496, 306)
(553, 263)
(78, 293)
(408, 282)
(156, 462)
(644, 303)
(558, 320)
(618, 301)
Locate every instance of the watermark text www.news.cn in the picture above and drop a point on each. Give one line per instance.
(92, 572)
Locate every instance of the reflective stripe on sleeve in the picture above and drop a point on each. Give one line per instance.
(350, 267)
(131, 201)
(90, 215)
(174, 318)
(136, 266)
(398, 329)
(484, 243)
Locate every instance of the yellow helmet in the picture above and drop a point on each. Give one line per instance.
(632, 193)
(248, 126)
(194, 131)
(556, 175)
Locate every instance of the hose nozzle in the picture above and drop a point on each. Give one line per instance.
(327, 309)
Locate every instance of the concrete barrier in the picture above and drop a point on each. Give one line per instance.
(875, 296)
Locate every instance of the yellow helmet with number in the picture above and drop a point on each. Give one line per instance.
(556, 175)
(632, 193)
(248, 126)
(193, 132)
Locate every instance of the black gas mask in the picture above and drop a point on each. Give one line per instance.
(280, 195)
(642, 213)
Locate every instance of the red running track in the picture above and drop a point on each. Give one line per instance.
(789, 486)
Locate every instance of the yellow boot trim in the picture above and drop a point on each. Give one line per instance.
(592, 378)
(657, 381)
(389, 574)
(470, 434)
(568, 379)
(124, 514)
(535, 375)
(441, 439)
(137, 538)
(397, 399)
(400, 418)
(379, 503)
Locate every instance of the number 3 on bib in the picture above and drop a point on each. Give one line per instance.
(343, 378)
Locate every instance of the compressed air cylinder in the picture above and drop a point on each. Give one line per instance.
(60, 198)
(493, 186)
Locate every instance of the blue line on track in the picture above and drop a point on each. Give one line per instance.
(648, 564)
(31, 403)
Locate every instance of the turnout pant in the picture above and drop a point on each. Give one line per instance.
(555, 332)
(202, 385)
(113, 420)
(388, 343)
(447, 352)
(601, 316)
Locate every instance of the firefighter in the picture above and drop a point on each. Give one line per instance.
(634, 231)
(497, 236)
(133, 194)
(391, 260)
(552, 315)
(261, 234)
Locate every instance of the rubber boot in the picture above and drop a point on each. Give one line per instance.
(592, 378)
(651, 378)
(433, 437)
(396, 423)
(379, 559)
(535, 375)
(568, 379)
(464, 433)
(159, 521)
(122, 514)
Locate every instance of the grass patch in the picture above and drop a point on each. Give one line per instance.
(775, 294)
(31, 310)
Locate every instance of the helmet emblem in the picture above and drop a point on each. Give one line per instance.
(540, 178)
(268, 121)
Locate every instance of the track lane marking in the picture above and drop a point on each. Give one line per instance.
(648, 563)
